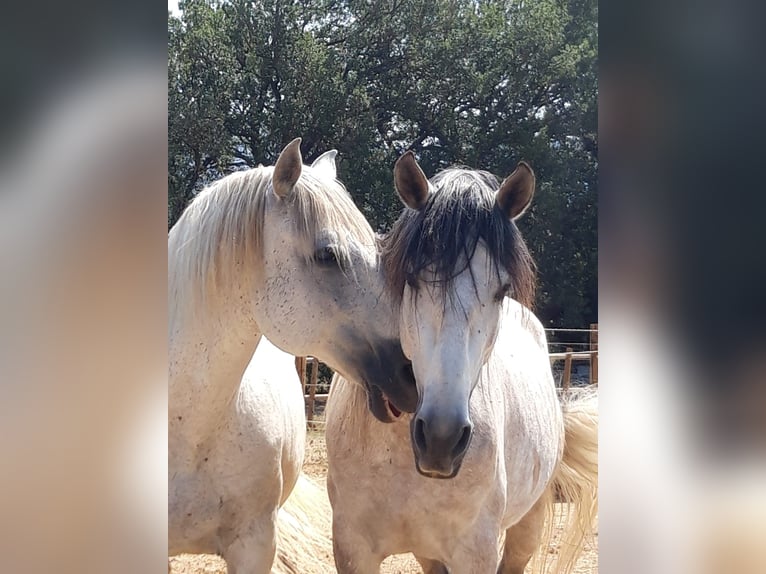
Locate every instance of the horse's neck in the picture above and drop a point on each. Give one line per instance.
(519, 369)
(515, 318)
(208, 356)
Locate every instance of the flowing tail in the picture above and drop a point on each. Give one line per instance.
(304, 525)
(574, 484)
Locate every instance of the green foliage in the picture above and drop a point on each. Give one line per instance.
(481, 83)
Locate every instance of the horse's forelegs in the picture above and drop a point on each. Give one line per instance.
(352, 552)
(252, 550)
(523, 539)
(476, 554)
(431, 566)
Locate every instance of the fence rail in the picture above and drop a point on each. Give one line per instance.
(308, 368)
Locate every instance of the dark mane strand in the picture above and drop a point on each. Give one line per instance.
(443, 236)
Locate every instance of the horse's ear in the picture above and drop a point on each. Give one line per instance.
(410, 181)
(516, 191)
(325, 163)
(288, 168)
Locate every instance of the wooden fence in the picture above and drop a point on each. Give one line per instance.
(569, 355)
(310, 384)
(308, 367)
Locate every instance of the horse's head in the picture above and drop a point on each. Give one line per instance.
(320, 289)
(453, 257)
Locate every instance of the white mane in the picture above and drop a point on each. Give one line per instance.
(349, 399)
(217, 242)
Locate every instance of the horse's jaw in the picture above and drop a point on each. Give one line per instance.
(382, 407)
(388, 380)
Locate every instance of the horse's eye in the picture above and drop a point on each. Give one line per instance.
(411, 280)
(326, 256)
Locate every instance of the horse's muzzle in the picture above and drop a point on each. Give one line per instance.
(440, 444)
(390, 383)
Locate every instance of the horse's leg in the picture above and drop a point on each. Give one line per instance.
(352, 551)
(477, 553)
(523, 539)
(431, 566)
(252, 551)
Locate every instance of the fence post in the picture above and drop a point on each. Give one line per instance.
(567, 369)
(312, 389)
(300, 366)
(594, 354)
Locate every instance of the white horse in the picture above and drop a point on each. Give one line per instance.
(281, 252)
(488, 435)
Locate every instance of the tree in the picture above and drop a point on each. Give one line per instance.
(480, 83)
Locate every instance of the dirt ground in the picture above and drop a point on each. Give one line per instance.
(315, 466)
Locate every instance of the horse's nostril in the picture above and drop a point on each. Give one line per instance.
(462, 443)
(420, 434)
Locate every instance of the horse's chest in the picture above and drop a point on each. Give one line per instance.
(402, 511)
(418, 515)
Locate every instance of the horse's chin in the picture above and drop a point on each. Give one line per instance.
(437, 475)
(381, 406)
